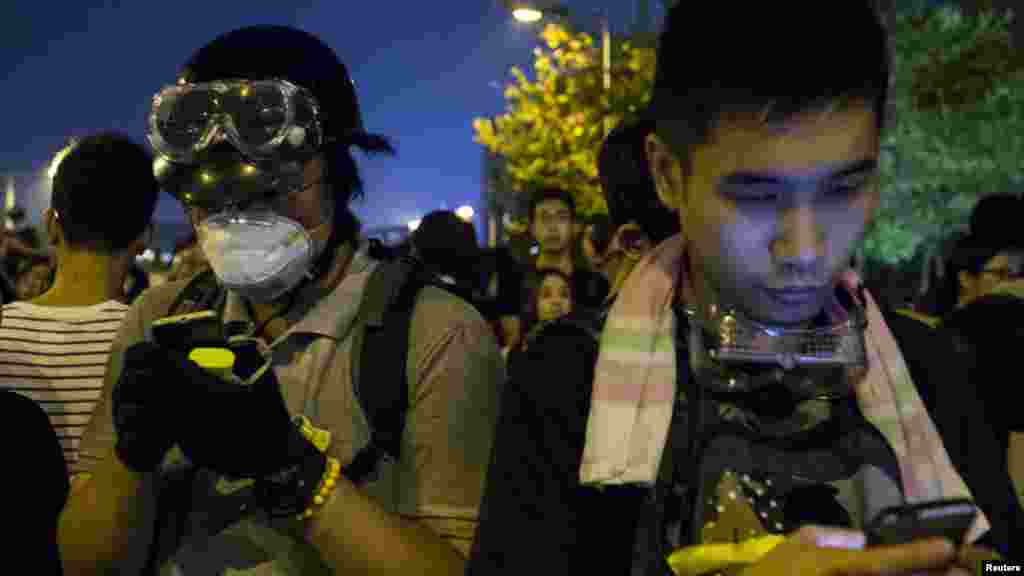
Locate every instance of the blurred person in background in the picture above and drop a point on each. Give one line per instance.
(447, 245)
(17, 225)
(34, 277)
(497, 297)
(987, 327)
(977, 266)
(55, 345)
(38, 489)
(19, 245)
(552, 225)
(998, 217)
(638, 220)
(551, 300)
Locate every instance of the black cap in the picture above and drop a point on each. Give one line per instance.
(265, 52)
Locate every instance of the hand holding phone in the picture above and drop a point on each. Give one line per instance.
(949, 519)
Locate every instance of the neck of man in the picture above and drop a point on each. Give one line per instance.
(561, 261)
(86, 278)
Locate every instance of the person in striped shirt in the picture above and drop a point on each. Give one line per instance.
(54, 347)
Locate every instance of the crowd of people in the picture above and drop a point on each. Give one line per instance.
(695, 383)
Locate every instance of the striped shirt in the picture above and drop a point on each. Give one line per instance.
(56, 356)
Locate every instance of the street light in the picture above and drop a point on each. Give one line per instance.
(413, 225)
(466, 213)
(527, 14)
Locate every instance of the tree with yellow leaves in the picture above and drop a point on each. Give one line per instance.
(553, 126)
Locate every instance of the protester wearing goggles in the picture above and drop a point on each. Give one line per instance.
(239, 459)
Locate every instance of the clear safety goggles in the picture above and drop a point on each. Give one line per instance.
(262, 119)
(743, 355)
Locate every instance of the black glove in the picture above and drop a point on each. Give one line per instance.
(146, 407)
(246, 431)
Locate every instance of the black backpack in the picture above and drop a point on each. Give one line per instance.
(385, 316)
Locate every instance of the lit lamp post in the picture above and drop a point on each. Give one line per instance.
(465, 213)
(529, 14)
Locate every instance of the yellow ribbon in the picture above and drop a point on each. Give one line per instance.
(707, 558)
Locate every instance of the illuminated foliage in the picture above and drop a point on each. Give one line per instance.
(957, 127)
(553, 125)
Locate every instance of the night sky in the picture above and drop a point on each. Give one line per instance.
(423, 71)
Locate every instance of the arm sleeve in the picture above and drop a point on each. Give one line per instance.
(535, 518)
(456, 374)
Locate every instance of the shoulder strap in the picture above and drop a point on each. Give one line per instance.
(380, 374)
(202, 292)
(174, 499)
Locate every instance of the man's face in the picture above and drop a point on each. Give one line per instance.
(772, 213)
(307, 206)
(552, 226)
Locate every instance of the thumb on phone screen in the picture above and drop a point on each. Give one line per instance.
(821, 551)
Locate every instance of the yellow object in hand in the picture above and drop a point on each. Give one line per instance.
(220, 361)
(706, 558)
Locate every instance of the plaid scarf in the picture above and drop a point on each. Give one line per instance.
(635, 380)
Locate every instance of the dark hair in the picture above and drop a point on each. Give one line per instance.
(998, 217)
(104, 192)
(629, 189)
(529, 315)
(542, 194)
(447, 243)
(263, 52)
(764, 54)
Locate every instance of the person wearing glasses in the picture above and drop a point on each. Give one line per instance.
(973, 413)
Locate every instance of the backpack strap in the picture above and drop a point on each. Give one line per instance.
(202, 292)
(380, 375)
(175, 496)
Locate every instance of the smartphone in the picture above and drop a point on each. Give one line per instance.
(948, 519)
(187, 331)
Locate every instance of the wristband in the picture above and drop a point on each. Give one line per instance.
(320, 439)
(327, 486)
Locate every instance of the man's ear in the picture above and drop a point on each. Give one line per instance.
(54, 235)
(633, 240)
(666, 169)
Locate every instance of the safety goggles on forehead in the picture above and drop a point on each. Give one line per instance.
(262, 119)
